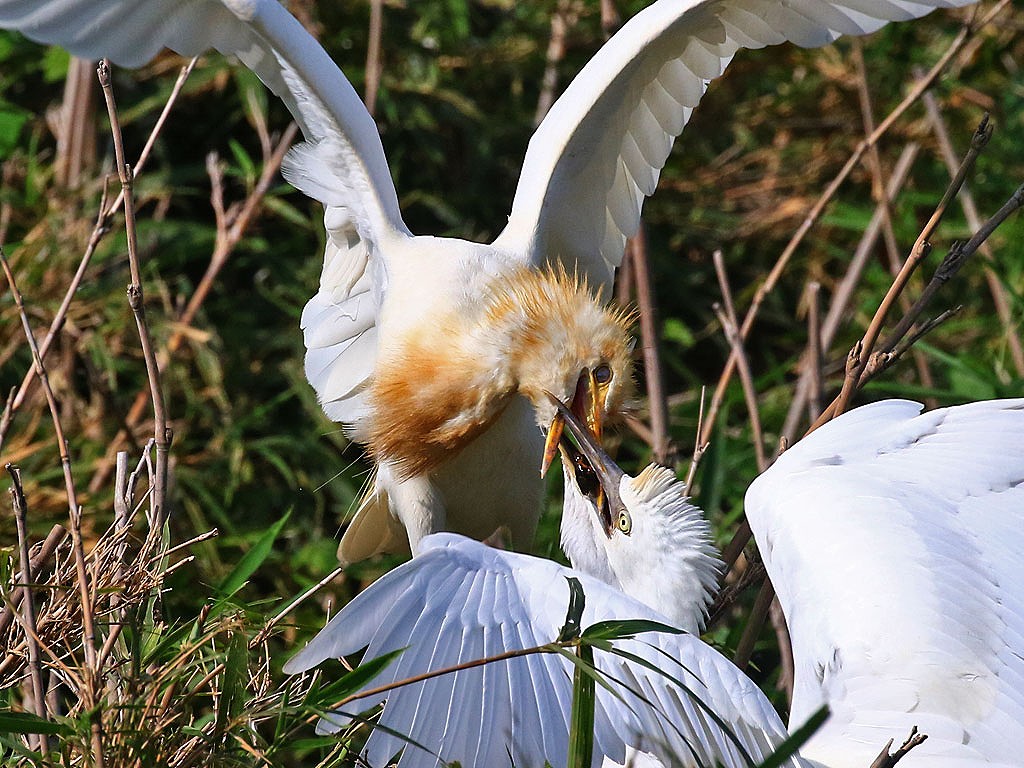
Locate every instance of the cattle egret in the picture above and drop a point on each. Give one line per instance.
(435, 352)
(895, 541)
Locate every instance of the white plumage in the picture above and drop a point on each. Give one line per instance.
(589, 166)
(895, 542)
(459, 600)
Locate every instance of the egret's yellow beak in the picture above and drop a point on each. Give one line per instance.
(596, 474)
(585, 406)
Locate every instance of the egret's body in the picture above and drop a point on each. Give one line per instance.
(896, 544)
(391, 304)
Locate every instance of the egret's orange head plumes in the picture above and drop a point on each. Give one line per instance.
(537, 331)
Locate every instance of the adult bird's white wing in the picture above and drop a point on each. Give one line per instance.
(599, 151)
(342, 165)
(460, 600)
(895, 542)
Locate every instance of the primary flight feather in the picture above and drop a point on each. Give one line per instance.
(436, 352)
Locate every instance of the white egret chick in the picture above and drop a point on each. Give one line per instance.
(435, 351)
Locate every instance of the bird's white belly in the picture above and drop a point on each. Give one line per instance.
(495, 480)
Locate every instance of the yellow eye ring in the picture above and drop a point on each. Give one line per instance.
(603, 374)
(624, 522)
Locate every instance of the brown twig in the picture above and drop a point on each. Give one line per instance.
(374, 66)
(237, 221)
(922, 247)
(562, 20)
(843, 295)
(785, 642)
(748, 640)
(161, 433)
(887, 760)
(656, 403)
(879, 193)
(28, 618)
(101, 228)
(814, 354)
(42, 557)
(953, 263)
(727, 318)
(699, 448)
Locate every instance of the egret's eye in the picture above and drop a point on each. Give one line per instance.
(624, 522)
(602, 374)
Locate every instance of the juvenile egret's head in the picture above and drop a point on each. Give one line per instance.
(640, 533)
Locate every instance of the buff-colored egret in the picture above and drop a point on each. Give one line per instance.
(436, 352)
(895, 541)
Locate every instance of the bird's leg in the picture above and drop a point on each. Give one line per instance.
(417, 503)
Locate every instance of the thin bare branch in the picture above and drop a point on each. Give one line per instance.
(656, 401)
(920, 250)
(887, 760)
(161, 433)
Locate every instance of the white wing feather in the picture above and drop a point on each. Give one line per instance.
(896, 544)
(342, 165)
(599, 151)
(459, 600)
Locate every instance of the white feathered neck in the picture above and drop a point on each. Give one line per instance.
(668, 560)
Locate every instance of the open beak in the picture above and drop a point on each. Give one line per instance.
(587, 409)
(597, 475)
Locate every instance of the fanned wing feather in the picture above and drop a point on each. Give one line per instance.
(342, 165)
(599, 151)
(459, 600)
(896, 544)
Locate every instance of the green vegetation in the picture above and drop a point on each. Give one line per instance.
(252, 454)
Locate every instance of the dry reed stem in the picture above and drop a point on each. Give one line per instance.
(762, 604)
(656, 402)
(730, 326)
(814, 352)
(161, 433)
(229, 233)
(884, 201)
(100, 229)
(699, 448)
(374, 66)
(564, 18)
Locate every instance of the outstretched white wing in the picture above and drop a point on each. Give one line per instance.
(459, 600)
(600, 149)
(342, 165)
(895, 542)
